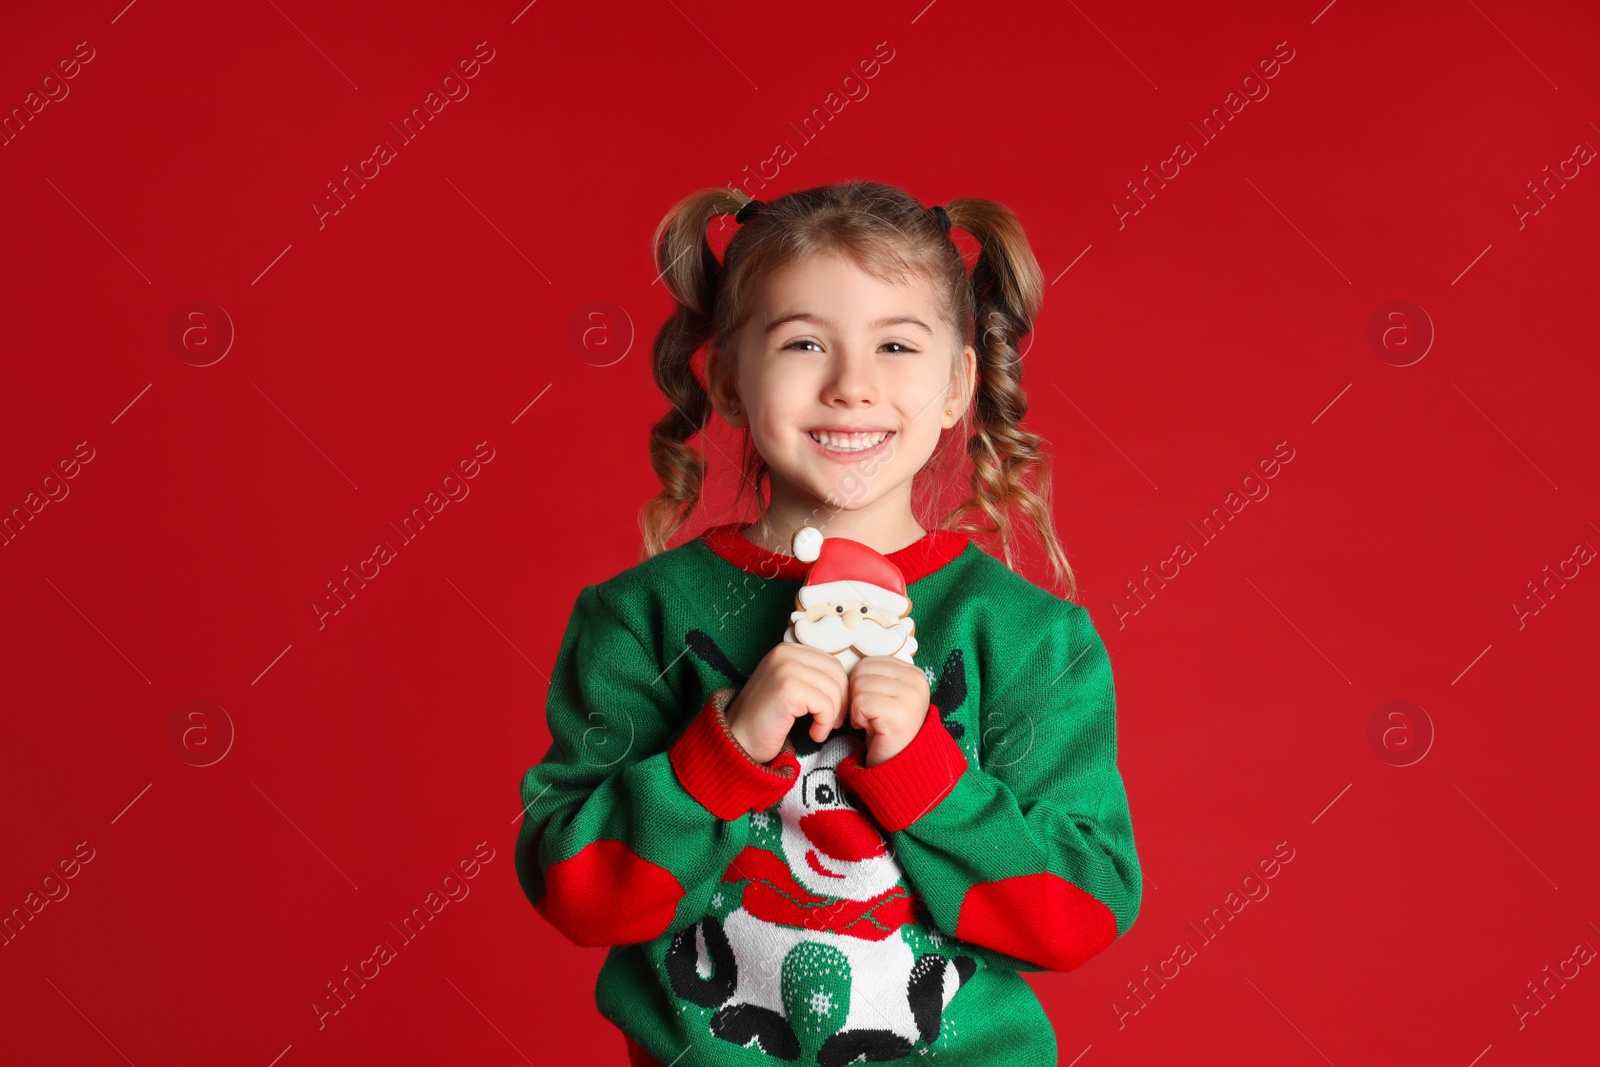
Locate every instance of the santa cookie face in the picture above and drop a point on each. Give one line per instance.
(854, 602)
(837, 625)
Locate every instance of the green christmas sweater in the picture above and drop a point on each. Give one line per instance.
(814, 910)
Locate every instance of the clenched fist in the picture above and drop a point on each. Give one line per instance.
(790, 682)
(888, 699)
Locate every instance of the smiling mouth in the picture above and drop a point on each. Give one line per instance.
(845, 443)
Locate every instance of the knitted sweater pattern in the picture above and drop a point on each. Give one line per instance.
(812, 909)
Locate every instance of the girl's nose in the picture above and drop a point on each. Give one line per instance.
(852, 380)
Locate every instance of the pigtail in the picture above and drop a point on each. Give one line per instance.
(1007, 291)
(691, 273)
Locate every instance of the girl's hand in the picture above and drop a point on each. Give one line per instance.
(888, 699)
(791, 681)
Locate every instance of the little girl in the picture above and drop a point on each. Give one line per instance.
(791, 861)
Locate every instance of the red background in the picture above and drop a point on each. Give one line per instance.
(433, 312)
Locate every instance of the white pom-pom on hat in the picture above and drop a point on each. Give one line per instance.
(807, 543)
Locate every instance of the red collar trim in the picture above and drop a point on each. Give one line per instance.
(917, 560)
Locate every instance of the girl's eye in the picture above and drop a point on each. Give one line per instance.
(900, 346)
(802, 341)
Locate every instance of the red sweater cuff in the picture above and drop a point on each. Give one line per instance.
(908, 784)
(720, 774)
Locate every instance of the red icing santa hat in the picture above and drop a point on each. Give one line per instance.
(842, 569)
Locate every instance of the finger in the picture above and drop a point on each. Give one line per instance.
(813, 699)
(828, 677)
(889, 669)
(863, 710)
(842, 711)
(828, 664)
(872, 693)
(827, 722)
(863, 720)
(817, 702)
(894, 686)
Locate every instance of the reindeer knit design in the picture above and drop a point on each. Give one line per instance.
(813, 910)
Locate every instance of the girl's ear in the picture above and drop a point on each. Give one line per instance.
(962, 380)
(720, 389)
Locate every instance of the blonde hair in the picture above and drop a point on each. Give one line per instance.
(891, 236)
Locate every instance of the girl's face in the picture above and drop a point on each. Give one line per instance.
(844, 381)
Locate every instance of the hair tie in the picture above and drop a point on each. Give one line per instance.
(943, 216)
(743, 214)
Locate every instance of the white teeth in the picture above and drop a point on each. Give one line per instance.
(848, 442)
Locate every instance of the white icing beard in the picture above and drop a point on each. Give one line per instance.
(830, 634)
(869, 638)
